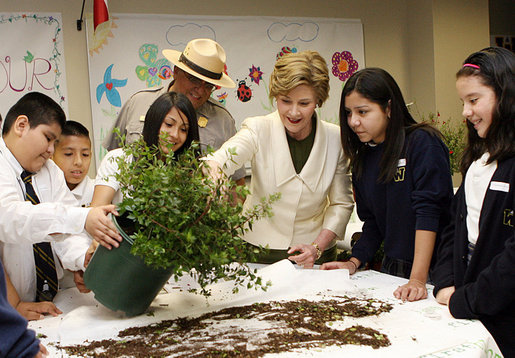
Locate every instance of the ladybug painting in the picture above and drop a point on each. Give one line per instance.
(244, 91)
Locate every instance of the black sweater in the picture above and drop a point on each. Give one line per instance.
(485, 288)
(417, 199)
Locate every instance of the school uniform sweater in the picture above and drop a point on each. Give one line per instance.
(416, 199)
(16, 340)
(485, 288)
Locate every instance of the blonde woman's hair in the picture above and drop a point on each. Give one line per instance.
(302, 68)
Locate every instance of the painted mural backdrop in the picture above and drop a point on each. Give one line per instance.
(31, 57)
(126, 56)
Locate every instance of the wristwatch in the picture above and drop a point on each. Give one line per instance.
(319, 252)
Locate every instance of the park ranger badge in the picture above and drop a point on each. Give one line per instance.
(202, 122)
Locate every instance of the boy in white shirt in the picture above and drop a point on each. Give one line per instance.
(39, 208)
(73, 155)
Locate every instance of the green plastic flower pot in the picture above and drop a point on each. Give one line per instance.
(120, 280)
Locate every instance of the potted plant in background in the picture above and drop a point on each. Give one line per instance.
(454, 137)
(174, 220)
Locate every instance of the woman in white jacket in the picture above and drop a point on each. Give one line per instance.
(295, 153)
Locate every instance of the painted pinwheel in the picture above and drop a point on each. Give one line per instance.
(109, 88)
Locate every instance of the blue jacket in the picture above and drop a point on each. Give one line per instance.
(418, 198)
(16, 340)
(485, 288)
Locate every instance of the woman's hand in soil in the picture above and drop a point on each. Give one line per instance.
(307, 255)
(101, 227)
(444, 295)
(414, 290)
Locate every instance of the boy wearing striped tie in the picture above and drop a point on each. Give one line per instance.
(36, 207)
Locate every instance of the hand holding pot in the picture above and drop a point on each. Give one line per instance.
(101, 228)
(78, 278)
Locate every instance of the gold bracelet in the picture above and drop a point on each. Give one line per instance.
(319, 252)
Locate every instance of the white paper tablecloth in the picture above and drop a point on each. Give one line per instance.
(415, 329)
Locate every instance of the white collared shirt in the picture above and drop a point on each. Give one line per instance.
(477, 179)
(23, 224)
(84, 192)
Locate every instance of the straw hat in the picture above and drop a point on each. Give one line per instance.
(203, 58)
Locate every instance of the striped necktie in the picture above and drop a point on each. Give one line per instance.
(46, 275)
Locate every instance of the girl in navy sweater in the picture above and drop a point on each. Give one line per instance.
(475, 274)
(401, 179)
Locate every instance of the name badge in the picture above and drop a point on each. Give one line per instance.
(142, 118)
(500, 186)
(402, 162)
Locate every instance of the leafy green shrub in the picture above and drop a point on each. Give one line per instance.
(184, 220)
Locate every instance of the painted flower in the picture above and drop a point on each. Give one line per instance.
(284, 51)
(109, 88)
(155, 69)
(222, 98)
(255, 74)
(344, 65)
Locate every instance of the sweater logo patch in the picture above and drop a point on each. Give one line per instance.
(508, 217)
(401, 169)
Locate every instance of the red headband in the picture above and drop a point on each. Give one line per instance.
(471, 65)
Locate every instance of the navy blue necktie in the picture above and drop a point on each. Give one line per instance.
(46, 275)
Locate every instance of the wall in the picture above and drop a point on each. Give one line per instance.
(421, 62)
(415, 40)
(458, 31)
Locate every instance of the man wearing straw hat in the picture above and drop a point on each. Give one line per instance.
(198, 69)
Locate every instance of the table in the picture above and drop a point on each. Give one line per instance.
(415, 329)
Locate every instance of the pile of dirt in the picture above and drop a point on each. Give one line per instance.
(247, 331)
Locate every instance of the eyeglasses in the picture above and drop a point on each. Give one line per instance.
(197, 82)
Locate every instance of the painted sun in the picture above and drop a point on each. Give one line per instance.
(98, 38)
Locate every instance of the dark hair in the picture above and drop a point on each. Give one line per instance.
(157, 113)
(497, 71)
(39, 109)
(378, 86)
(75, 129)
